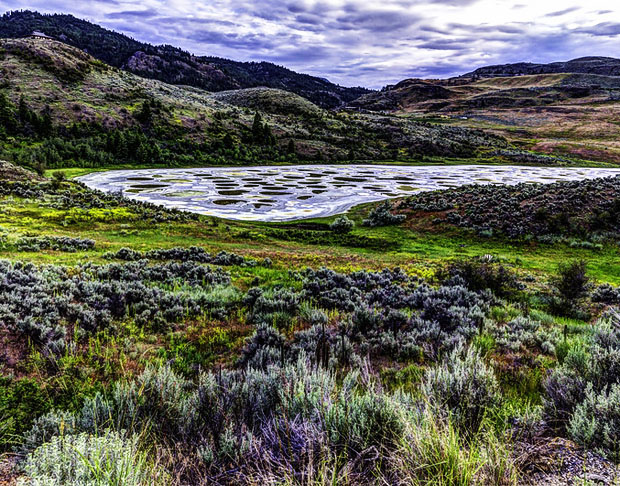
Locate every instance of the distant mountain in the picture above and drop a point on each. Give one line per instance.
(523, 84)
(565, 114)
(607, 66)
(492, 91)
(171, 64)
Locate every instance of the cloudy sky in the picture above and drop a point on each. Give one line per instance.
(362, 42)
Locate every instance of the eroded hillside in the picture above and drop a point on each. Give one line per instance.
(565, 114)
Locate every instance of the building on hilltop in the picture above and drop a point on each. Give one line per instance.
(38, 34)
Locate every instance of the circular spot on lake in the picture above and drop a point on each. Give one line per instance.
(227, 202)
(148, 186)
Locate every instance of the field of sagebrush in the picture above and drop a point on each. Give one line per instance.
(420, 342)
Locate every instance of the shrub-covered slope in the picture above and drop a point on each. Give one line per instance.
(71, 109)
(580, 208)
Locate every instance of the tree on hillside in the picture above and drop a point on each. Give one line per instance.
(45, 127)
(25, 113)
(268, 137)
(145, 114)
(7, 115)
(261, 132)
(257, 128)
(228, 141)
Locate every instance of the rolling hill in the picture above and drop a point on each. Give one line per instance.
(171, 64)
(69, 108)
(570, 114)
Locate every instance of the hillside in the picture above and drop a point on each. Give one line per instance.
(561, 114)
(404, 94)
(500, 92)
(68, 108)
(170, 64)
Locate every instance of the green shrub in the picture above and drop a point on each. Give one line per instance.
(21, 403)
(571, 285)
(480, 274)
(572, 280)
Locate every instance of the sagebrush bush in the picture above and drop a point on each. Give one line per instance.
(231, 415)
(606, 294)
(342, 225)
(264, 348)
(564, 390)
(523, 334)
(38, 301)
(581, 395)
(87, 460)
(463, 386)
(596, 421)
(58, 243)
(544, 211)
(382, 216)
(191, 254)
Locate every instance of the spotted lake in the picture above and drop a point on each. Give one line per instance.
(284, 193)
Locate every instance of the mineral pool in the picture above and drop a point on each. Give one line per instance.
(285, 193)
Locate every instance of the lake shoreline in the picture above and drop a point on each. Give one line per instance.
(296, 192)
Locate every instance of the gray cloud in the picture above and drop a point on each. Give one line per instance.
(357, 42)
(608, 29)
(132, 14)
(445, 45)
(560, 13)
